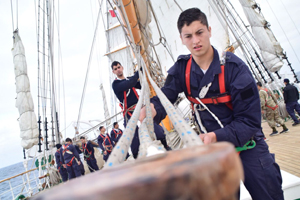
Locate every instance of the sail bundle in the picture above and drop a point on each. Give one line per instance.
(24, 103)
(270, 48)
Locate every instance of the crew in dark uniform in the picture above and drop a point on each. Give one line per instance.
(70, 158)
(232, 96)
(116, 133)
(291, 97)
(125, 90)
(105, 143)
(81, 167)
(89, 154)
(63, 171)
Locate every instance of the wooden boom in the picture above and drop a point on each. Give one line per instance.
(204, 172)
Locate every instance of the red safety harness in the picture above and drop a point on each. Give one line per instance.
(64, 151)
(108, 148)
(84, 148)
(124, 108)
(273, 108)
(223, 98)
(117, 133)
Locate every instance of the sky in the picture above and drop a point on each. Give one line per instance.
(77, 21)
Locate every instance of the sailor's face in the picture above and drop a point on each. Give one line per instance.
(118, 70)
(196, 37)
(82, 141)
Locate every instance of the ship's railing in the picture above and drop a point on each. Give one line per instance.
(28, 186)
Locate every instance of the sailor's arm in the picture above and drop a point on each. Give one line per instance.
(124, 85)
(76, 154)
(100, 144)
(246, 109)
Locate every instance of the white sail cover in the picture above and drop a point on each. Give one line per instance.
(24, 103)
(106, 112)
(269, 46)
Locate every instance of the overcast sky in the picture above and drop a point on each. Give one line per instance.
(76, 34)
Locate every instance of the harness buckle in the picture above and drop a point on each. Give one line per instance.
(215, 100)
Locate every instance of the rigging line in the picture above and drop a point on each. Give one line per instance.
(178, 5)
(283, 32)
(88, 68)
(12, 15)
(97, 47)
(290, 17)
(17, 14)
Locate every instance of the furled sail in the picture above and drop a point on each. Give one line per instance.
(24, 103)
(270, 48)
(106, 112)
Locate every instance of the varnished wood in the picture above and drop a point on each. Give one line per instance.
(205, 172)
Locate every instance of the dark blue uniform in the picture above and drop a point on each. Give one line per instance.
(119, 86)
(81, 164)
(106, 144)
(63, 171)
(89, 156)
(262, 175)
(291, 97)
(116, 135)
(70, 158)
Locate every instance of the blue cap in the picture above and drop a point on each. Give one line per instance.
(286, 80)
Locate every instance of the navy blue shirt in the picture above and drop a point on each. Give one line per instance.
(119, 86)
(100, 140)
(88, 150)
(57, 159)
(66, 158)
(116, 135)
(290, 93)
(241, 123)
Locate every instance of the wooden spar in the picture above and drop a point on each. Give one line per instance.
(202, 172)
(137, 36)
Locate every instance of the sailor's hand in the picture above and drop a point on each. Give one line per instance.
(64, 165)
(79, 163)
(143, 112)
(262, 112)
(105, 153)
(208, 138)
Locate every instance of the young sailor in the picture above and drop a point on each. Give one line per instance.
(105, 143)
(229, 91)
(70, 159)
(125, 90)
(291, 97)
(62, 170)
(89, 154)
(116, 133)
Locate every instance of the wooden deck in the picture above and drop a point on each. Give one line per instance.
(286, 147)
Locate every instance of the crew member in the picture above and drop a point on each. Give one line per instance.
(63, 171)
(105, 143)
(89, 154)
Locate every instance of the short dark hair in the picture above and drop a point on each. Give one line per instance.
(101, 128)
(82, 137)
(115, 123)
(190, 15)
(259, 84)
(115, 63)
(68, 140)
(58, 146)
(286, 80)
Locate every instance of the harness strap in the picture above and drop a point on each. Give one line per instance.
(273, 108)
(124, 108)
(212, 100)
(71, 162)
(117, 133)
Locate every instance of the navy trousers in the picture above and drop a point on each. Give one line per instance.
(63, 173)
(262, 174)
(73, 170)
(290, 107)
(135, 144)
(92, 164)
